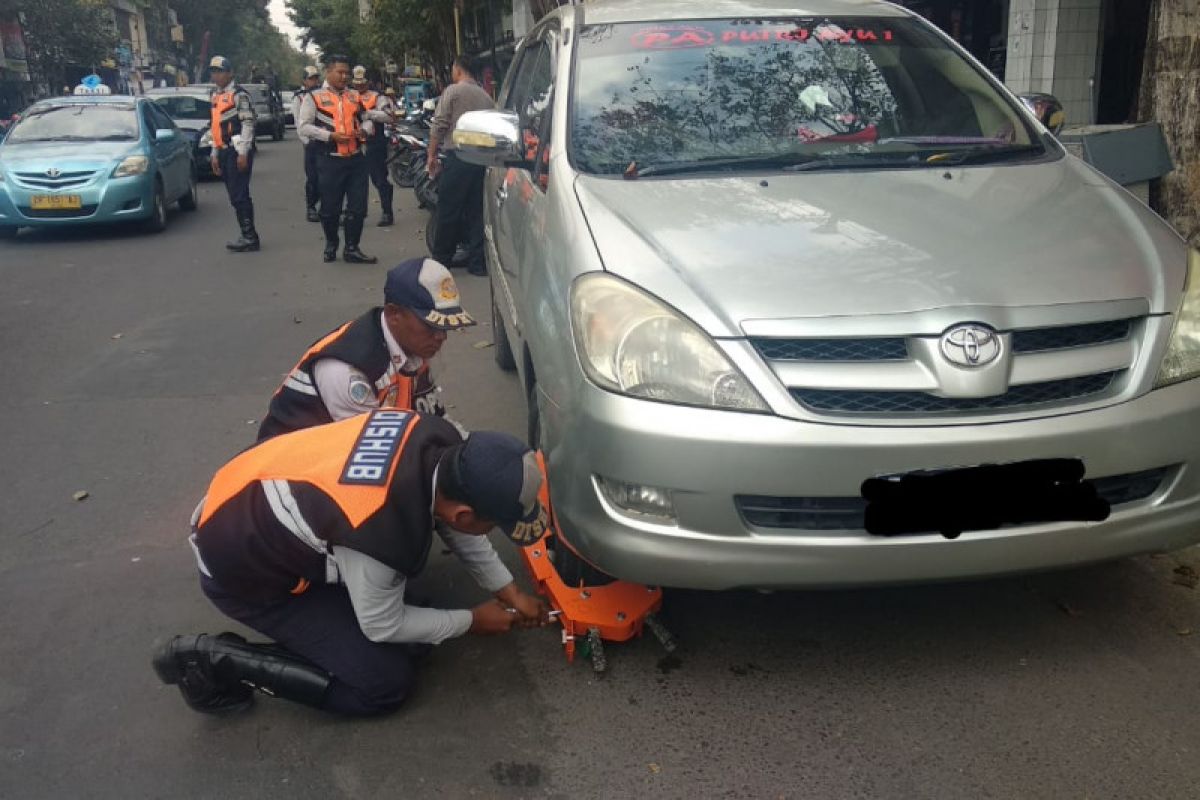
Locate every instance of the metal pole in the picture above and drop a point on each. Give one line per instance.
(457, 31)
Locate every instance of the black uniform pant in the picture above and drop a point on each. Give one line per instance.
(237, 183)
(460, 212)
(320, 625)
(312, 156)
(343, 179)
(377, 153)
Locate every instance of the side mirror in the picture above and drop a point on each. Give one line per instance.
(489, 138)
(164, 135)
(1047, 109)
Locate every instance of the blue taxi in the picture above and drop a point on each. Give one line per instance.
(98, 159)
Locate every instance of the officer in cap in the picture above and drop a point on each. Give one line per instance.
(310, 539)
(334, 116)
(382, 111)
(379, 360)
(312, 150)
(233, 123)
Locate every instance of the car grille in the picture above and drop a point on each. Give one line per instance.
(896, 403)
(85, 211)
(908, 377)
(848, 513)
(65, 180)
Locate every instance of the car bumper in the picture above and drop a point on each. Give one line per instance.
(109, 201)
(709, 458)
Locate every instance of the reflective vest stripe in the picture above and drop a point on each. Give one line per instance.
(297, 370)
(283, 505)
(340, 114)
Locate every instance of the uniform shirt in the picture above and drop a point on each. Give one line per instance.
(297, 100)
(384, 110)
(245, 140)
(306, 119)
(457, 100)
(346, 391)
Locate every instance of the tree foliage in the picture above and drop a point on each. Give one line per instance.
(59, 33)
(243, 33)
(333, 26)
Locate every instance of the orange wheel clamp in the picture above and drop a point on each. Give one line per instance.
(613, 612)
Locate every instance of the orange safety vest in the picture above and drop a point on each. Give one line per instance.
(341, 114)
(224, 117)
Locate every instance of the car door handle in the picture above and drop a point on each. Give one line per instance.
(502, 193)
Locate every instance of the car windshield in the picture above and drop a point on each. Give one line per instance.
(70, 122)
(814, 93)
(257, 96)
(182, 106)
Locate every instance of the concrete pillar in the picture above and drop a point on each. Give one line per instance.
(1053, 47)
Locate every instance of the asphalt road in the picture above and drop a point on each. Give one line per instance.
(134, 365)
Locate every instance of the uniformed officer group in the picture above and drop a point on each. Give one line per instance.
(311, 534)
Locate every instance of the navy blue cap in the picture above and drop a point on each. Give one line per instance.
(501, 479)
(219, 63)
(428, 289)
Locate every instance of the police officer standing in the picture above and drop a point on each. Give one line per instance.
(460, 190)
(381, 111)
(312, 150)
(233, 122)
(334, 116)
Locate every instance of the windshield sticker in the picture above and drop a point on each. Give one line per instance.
(675, 37)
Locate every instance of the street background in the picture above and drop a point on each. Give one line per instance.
(134, 365)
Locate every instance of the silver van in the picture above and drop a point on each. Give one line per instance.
(753, 259)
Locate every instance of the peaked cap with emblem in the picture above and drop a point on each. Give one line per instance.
(428, 289)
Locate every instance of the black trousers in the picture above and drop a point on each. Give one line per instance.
(237, 184)
(377, 153)
(460, 212)
(368, 677)
(343, 179)
(312, 155)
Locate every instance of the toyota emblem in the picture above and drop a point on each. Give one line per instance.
(53, 172)
(970, 345)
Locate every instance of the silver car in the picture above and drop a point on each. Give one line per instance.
(752, 259)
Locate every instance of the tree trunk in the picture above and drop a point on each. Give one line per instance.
(1171, 96)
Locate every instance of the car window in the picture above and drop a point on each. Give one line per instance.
(185, 107)
(711, 90)
(161, 118)
(68, 122)
(533, 87)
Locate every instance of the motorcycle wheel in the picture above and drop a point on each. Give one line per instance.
(431, 233)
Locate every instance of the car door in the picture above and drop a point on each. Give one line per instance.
(181, 156)
(516, 195)
(163, 152)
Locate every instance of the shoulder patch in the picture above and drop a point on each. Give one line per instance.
(378, 444)
(360, 388)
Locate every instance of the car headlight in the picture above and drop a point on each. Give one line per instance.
(206, 138)
(132, 165)
(630, 343)
(1182, 361)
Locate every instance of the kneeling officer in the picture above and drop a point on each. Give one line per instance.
(309, 538)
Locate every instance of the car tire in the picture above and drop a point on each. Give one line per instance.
(277, 135)
(431, 234)
(503, 349)
(191, 200)
(158, 216)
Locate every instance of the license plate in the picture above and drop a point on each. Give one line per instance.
(983, 498)
(56, 202)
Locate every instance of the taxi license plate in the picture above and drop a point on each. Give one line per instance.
(56, 202)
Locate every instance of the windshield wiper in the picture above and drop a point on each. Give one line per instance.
(983, 155)
(869, 161)
(785, 160)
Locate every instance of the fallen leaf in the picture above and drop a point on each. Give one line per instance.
(654, 767)
(1184, 632)
(81, 495)
(1186, 576)
(482, 345)
(117, 335)
(136, 559)
(297, 320)
(249, 422)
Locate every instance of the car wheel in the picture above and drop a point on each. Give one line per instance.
(504, 354)
(8, 231)
(192, 199)
(431, 234)
(158, 217)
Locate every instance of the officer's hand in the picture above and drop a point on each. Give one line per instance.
(337, 137)
(531, 611)
(216, 167)
(434, 166)
(492, 617)
(243, 163)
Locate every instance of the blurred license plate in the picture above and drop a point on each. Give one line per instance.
(56, 202)
(982, 498)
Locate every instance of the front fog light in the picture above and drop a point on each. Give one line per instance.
(639, 499)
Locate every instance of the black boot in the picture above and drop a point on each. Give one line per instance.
(248, 241)
(385, 199)
(330, 226)
(180, 663)
(231, 665)
(353, 255)
(312, 215)
(386, 220)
